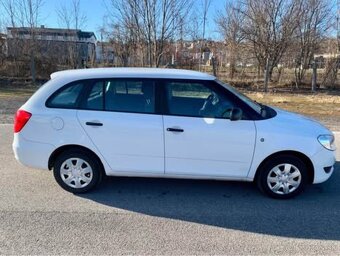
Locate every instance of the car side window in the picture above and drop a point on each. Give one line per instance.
(130, 95)
(196, 99)
(95, 99)
(67, 97)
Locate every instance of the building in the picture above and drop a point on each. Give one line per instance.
(3, 44)
(65, 46)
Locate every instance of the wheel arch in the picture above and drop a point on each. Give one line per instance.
(64, 148)
(301, 156)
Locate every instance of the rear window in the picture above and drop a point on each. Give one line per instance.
(67, 97)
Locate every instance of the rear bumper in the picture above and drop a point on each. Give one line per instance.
(32, 154)
(323, 162)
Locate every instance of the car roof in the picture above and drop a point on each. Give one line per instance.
(78, 74)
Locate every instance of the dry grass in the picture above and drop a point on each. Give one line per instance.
(6, 91)
(323, 107)
(318, 105)
(11, 98)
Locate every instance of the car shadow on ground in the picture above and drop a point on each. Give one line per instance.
(315, 214)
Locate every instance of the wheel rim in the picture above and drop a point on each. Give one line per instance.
(283, 179)
(76, 173)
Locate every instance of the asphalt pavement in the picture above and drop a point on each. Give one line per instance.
(161, 216)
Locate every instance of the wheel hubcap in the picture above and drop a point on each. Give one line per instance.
(284, 179)
(76, 173)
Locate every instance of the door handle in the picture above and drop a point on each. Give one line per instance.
(175, 130)
(94, 124)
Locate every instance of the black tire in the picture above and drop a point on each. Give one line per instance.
(277, 161)
(90, 160)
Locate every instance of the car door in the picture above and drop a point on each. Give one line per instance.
(200, 140)
(119, 116)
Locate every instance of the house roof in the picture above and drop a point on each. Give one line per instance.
(53, 31)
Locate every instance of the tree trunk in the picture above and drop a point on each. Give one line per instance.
(232, 67)
(232, 70)
(258, 71)
(33, 69)
(314, 76)
(214, 66)
(298, 79)
(266, 75)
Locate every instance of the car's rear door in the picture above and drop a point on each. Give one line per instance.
(119, 115)
(198, 140)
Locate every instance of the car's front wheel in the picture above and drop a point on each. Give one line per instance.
(282, 177)
(77, 171)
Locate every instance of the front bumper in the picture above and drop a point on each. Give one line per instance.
(323, 161)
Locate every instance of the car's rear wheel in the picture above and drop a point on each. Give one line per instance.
(77, 171)
(282, 177)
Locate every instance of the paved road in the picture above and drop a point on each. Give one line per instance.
(155, 216)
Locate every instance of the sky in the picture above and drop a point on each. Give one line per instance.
(95, 10)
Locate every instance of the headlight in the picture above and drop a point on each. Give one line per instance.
(327, 141)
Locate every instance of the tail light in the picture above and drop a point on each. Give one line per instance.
(20, 120)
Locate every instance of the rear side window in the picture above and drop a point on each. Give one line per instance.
(95, 99)
(67, 97)
(137, 96)
(120, 95)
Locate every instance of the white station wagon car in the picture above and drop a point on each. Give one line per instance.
(84, 124)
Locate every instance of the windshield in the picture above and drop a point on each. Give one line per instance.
(254, 105)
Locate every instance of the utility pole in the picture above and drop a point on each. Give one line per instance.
(338, 24)
(314, 74)
(206, 6)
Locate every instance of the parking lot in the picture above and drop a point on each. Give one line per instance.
(161, 216)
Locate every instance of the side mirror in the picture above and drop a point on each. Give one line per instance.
(236, 114)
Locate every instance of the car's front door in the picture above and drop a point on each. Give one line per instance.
(119, 117)
(200, 140)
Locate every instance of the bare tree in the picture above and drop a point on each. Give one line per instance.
(269, 25)
(193, 27)
(152, 23)
(10, 9)
(2, 48)
(205, 9)
(230, 24)
(30, 11)
(2, 51)
(25, 13)
(64, 16)
(332, 62)
(314, 22)
(124, 44)
(71, 16)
